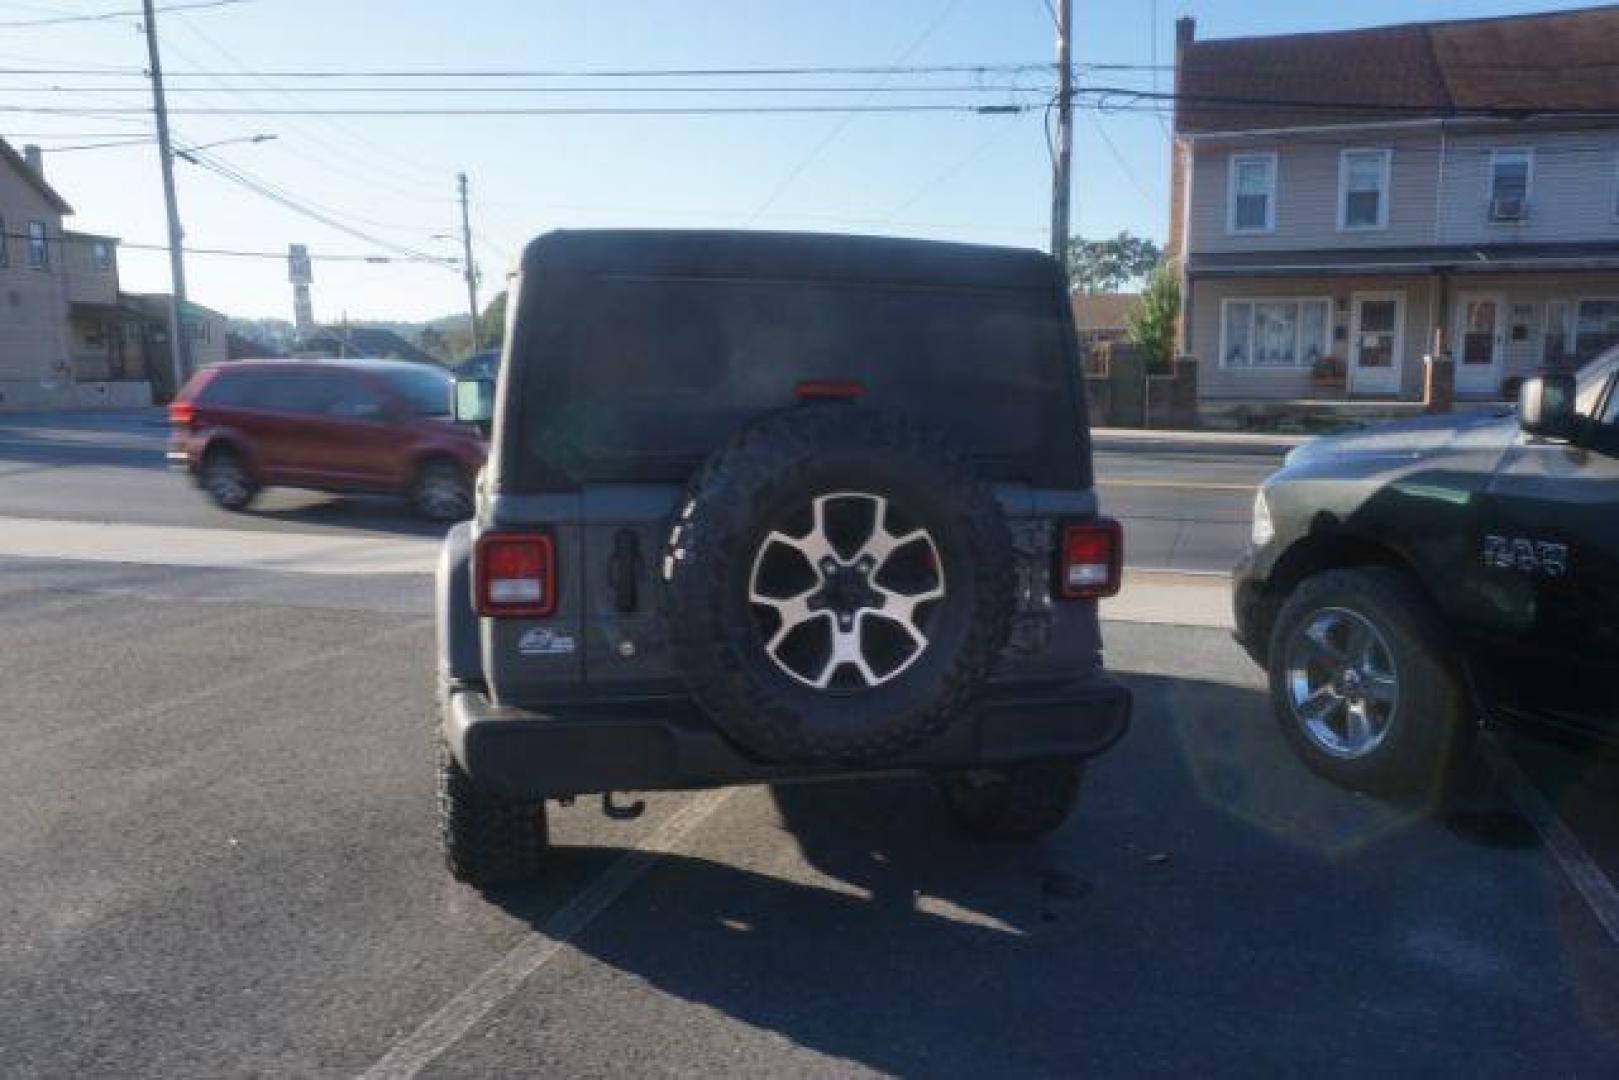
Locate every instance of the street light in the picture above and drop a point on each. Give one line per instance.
(185, 152)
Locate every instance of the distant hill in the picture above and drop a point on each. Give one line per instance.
(444, 337)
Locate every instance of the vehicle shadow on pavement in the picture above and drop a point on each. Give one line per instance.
(1210, 901)
(360, 513)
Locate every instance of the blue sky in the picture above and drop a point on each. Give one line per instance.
(949, 176)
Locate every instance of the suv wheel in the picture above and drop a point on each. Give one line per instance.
(839, 585)
(487, 839)
(441, 491)
(1363, 686)
(1018, 802)
(227, 479)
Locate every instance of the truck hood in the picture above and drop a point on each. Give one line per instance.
(1411, 439)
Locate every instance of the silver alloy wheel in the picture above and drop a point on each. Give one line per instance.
(442, 493)
(1342, 683)
(849, 599)
(226, 480)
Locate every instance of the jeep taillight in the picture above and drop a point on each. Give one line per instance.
(1091, 560)
(516, 574)
(182, 413)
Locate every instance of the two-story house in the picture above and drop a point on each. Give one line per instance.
(66, 337)
(1344, 205)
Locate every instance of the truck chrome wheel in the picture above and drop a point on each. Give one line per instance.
(844, 592)
(1342, 684)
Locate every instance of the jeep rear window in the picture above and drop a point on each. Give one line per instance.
(658, 372)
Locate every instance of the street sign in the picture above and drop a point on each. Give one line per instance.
(299, 270)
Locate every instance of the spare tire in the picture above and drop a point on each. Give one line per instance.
(839, 584)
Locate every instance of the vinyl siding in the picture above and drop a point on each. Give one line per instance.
(1307, 195)
(1237, 383)
(85, 283)
(34, 367)
(1574, 182)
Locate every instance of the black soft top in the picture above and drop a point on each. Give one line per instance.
(800, 256)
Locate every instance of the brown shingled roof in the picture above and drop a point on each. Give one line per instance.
(1103, 311)
(1534, 63)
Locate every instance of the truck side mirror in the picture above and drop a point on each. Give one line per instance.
(1546, 406)
(472, 401)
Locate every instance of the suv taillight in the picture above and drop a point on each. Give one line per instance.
(1090, 562)
(182, 413)
(516, 574)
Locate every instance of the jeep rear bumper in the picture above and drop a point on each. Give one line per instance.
(671, 745)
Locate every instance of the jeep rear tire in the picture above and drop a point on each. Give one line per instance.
(1365, 688)
(1023, 801)
(839, 584)
(487, 838)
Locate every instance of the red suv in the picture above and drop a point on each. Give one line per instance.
(330, 425)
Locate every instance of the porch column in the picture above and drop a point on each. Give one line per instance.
(1439, 367)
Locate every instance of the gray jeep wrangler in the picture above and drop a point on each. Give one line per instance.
(765, 507)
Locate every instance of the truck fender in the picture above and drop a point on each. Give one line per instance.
(460, 662)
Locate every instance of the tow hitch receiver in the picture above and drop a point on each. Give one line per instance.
(626, 812)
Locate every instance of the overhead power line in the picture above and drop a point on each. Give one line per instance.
(126, 13)
(957, 88)
(542, 110)
(234, 253)
(293, 204)
(552, 73)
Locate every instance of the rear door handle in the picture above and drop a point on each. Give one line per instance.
(624, 570)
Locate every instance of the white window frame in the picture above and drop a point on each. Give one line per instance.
(1614, 205)
(101, 255)
(1299, 363)
(1496, 154)
(1573, 339)
(1385, 183)
(43, 262)
(1273, 165)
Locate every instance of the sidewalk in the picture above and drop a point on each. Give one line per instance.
(1151, 440)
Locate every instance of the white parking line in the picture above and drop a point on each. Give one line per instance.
(443, 1029)
(1588, 880)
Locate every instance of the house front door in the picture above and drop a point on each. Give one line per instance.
(1376, 344)
(1478, 339)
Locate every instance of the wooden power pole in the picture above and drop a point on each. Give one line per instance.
(179, 344)
(1065, 134)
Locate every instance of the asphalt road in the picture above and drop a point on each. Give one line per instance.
(217, 858)
(1182, 511)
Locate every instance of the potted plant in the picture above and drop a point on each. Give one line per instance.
(1327, 374)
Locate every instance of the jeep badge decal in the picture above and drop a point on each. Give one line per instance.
(544, 641)
(1526, 556)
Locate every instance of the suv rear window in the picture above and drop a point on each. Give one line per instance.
(657, 372)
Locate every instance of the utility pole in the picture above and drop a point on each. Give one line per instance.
(179, 345)
(467, 264)
(1065, 134)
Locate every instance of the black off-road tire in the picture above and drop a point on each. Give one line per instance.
(227, 479)
(769, 470)
(1433, 725)
(1023, 801)
(487, 839)
(441, 491)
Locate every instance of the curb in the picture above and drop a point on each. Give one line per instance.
(1195, 442)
